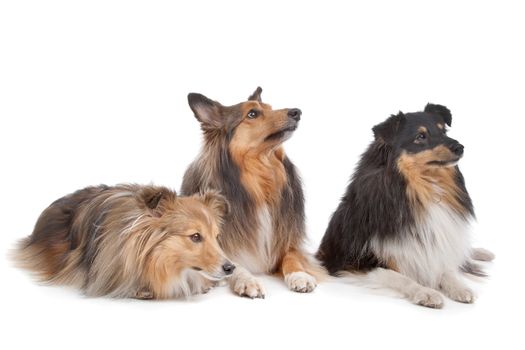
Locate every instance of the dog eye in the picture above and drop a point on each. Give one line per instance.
(196, 237)
(421, 137)
(253, 114)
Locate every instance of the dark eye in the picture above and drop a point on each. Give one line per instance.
(252, 114)
(196, 237)
(421, 137)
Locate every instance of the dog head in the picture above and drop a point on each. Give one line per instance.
(421, 137)
(187, 230)
(250, 125)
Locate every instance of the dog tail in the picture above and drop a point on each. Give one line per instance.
(473, 269)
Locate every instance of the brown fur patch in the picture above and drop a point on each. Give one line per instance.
(259, 160)
(296, 261)
(392, 265)
(428, 183)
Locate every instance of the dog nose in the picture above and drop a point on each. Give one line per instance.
(295, 114)
(228, 268)
(458, 149)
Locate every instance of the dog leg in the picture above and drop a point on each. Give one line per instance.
(294, 274)
(455, 289)
(207, 285)
(409, 288)
(481, 254)
(245, 284)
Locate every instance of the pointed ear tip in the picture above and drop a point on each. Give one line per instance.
(192, 96)
(152, 199)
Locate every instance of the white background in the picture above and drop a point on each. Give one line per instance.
(95, 92)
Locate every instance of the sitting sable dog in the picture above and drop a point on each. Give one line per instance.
(405, 216)
(129, 241)
(243, 158)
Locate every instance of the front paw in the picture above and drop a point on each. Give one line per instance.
(462, 295)
(300, 282)
(428, 297)
(207, 286)
(248, 286)
(143, 295)
(482, 254)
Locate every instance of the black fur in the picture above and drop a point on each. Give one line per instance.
(374, 204)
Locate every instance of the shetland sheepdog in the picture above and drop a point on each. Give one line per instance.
(405, 216)
(129, 241)
(243, 158)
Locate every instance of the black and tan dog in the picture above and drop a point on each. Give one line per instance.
(405, 216)
(129, 241)
(243, 158)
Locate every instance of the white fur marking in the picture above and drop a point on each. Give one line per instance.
(300, 281)
(410, 289)
(244, 284)
(262, 260)
(437, 243)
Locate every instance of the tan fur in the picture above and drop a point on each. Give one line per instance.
(428, 183)
(108, 241)
(392, 264)
(260, 161)
(296, 261)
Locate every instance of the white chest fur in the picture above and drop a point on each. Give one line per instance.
(262, 260)
(438, 242)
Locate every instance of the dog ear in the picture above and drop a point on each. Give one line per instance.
(153, 198)
(216, 202)
(441, 111)
(386, 130)
(256, 96)
(207, 111)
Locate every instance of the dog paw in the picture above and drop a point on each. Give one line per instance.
(428, 297)
(206, 287)
(248, 286)
(144, 295)
(300, 282)
(464, 295)
(482, 254)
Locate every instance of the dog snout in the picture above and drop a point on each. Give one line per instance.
(228, 268)
(457, 149)
(295, 114)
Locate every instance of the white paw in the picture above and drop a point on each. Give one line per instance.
(482, 254)
(207, 286)
(464, 295)
(428, 297)
(248, 286)
(300, 282)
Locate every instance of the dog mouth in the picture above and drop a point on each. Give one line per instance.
(444, 163)
(281, 133)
